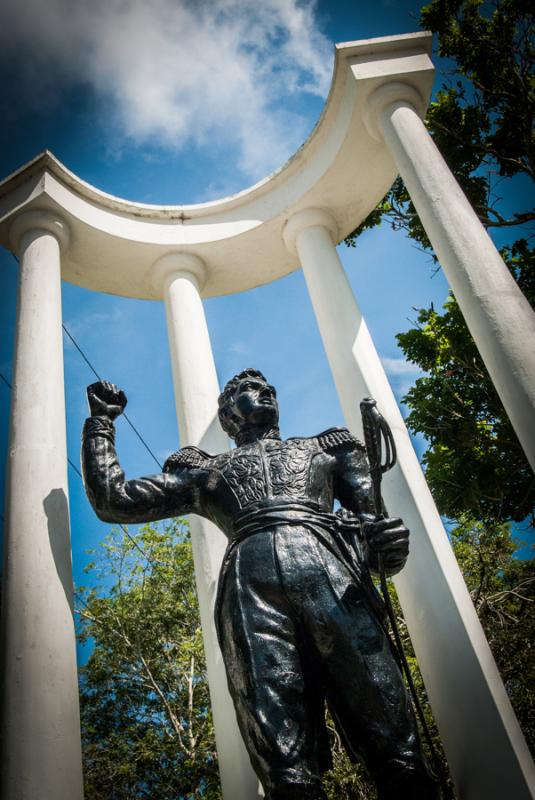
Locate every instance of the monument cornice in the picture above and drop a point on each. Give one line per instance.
(340, 167)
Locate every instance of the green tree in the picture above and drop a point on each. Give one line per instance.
(474, 462)
(503, 591)
(146, 720)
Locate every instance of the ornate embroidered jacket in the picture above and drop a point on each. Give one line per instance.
(309, 472)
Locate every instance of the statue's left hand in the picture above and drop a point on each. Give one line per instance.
(389, 539)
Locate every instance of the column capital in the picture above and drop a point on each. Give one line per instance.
(177, 263)
(35, 221)
(390, 94)
(308, 218)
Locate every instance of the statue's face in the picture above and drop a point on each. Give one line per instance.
(254, 402)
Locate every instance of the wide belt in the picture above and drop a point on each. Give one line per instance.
(261, 517)
(327, 529)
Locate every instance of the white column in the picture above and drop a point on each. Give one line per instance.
(196, 393)
(498, 315)
(40, 713)
(485, 748)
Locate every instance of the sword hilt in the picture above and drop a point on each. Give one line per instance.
(380, 446)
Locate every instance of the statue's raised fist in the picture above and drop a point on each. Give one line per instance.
(106, 400)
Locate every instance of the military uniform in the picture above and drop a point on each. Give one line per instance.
(298, 619)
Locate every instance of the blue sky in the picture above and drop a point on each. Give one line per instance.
(171, 101)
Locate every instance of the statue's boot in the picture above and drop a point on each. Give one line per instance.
(297, 791)
(409, 783)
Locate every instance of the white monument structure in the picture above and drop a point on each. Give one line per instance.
(62, 228)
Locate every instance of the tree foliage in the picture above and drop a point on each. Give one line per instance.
(474, 462)
(503, 592)
(492, 44)
(146, 721)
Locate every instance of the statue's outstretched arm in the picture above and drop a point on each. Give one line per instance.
(114, 498)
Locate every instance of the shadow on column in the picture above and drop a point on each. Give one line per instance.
(57, 513)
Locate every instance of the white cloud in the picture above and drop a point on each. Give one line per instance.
(402, 374)
(94, 322)
(176, 72)
(239, 348)
(400, 367)
(164, 454)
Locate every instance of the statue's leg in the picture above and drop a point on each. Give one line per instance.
(365, 689)
(408, 783)
(278, 712)
(296, 791)
(371, 705)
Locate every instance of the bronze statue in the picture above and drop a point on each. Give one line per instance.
(299, 621)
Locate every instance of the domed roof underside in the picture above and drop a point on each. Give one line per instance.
(341, 168)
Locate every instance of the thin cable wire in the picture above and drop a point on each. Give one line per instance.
(93, 370)
(7, 383)
(87, 361)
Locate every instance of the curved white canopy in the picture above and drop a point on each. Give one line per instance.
(114, 243)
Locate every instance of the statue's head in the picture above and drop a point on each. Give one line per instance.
(247, 400)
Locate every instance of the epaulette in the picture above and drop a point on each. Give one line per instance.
(191, 457)
(338, 439)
